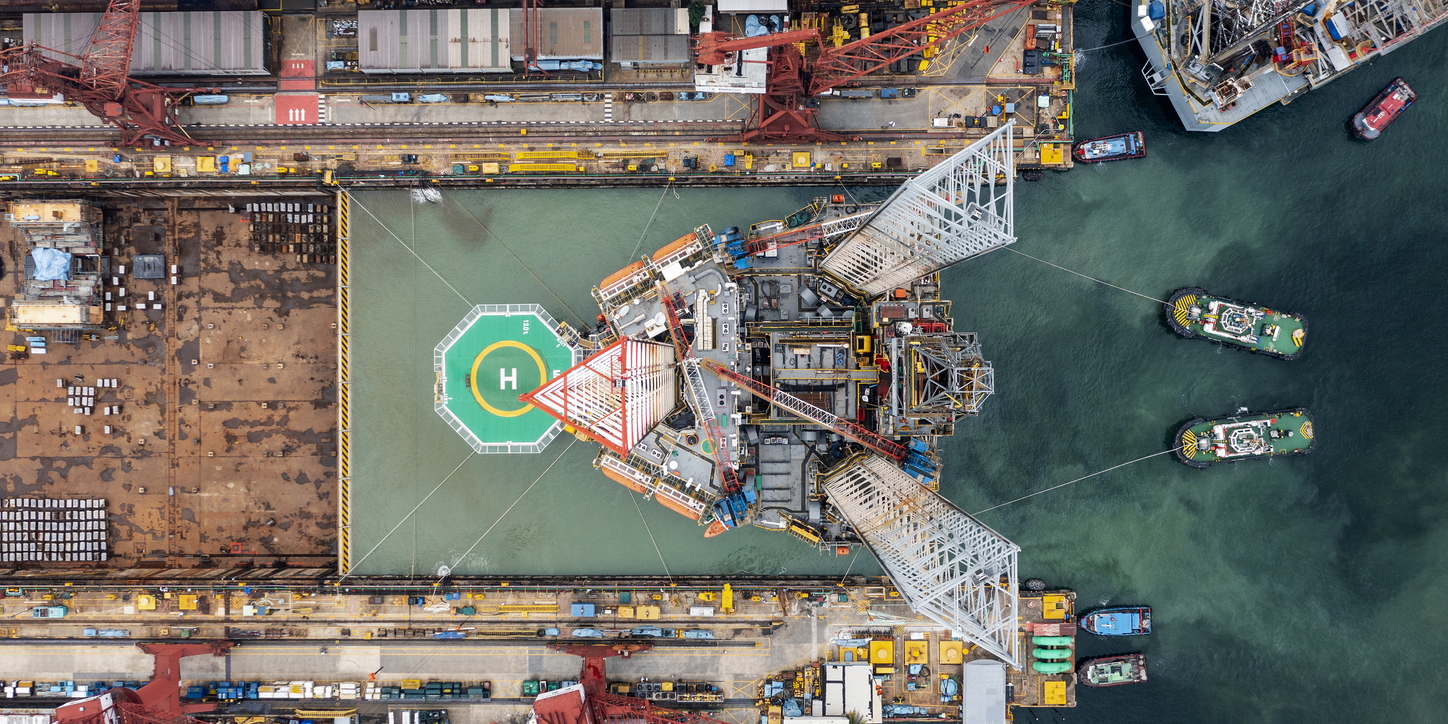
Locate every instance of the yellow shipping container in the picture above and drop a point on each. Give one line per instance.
(648, 613)
(206, 164)
(802, 159)
(161, 164)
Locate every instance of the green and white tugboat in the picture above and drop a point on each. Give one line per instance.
(1201, 442)
(1192, 312)
(1113, 670)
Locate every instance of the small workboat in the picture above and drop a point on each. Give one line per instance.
(1110, 148)
(1113, 670)
(1119, 621)
(1371, 120)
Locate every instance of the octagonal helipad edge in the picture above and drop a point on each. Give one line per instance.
(440, 395)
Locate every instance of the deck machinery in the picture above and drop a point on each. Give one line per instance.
(813, 354)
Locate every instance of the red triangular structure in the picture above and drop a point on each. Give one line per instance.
(614, 396)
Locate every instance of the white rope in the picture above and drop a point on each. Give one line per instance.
(1077, 480)
(354, 202)
(1079, 274)
(409, 515)
(651, 219)
(510, 508)
(1111, 45)
(635, 499)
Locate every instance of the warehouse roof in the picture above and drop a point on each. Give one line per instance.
(436, 40)
(196, 43)
(563, 34)
(649, 35)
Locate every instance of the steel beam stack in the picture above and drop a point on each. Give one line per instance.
(957, 210)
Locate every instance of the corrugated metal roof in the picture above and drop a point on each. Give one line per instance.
(649, 35)
(648, 21)
(195, 43)
(650, 49)
(433, 41)
(563, 34)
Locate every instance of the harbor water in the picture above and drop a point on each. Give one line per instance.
(1301, 589)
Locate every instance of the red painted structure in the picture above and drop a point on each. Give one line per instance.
(99, 79)
(606, 708)
(782, 113)
(158, 702)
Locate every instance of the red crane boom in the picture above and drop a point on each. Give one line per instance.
(782, 114)
(106, 64)
(789, 403)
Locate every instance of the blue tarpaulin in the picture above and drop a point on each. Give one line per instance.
(51, 264)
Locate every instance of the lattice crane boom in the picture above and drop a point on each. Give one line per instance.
(106, 64)
(781, 113)
(699, 395)
(99, 78)
(711, 48)
(805, 410)
(851, 61)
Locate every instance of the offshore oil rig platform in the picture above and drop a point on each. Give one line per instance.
(795, 375)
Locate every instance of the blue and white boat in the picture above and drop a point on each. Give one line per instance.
(1121, 621)
(1110, 148)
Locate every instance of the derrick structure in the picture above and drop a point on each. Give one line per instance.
(959, 209)
(945, 377)
(947, 565)
(615, 396)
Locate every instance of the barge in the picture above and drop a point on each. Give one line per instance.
(1202, 442)
(1194, 313)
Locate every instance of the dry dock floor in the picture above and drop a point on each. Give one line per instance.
(225, 444)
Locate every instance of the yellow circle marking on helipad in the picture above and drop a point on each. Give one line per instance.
(542, 375)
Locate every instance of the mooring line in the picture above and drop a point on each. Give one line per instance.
(651, 220)
(1077, 480)
(1079, 274)
(409, 515)
(635, 500)
(410, 250)
(469, 551)
(517, 259)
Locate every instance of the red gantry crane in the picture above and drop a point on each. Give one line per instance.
(99, 78)
(782, 113)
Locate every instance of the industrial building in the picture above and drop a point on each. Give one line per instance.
(562, 34)
(649, 36)
(194, 43)
(434, 41)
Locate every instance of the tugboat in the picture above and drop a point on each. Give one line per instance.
(1113, 670)
(1110, 148)
(1119, 621)
(1372, 119)
(1192, 312)
(1202, 442)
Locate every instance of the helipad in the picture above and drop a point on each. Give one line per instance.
(497, 352)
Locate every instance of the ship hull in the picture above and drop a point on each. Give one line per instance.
(1180, 318)
(1297, 421)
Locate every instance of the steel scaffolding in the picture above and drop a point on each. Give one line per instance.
(959, 209)
(946, 564)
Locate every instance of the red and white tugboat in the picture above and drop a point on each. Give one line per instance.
(1370, 121)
